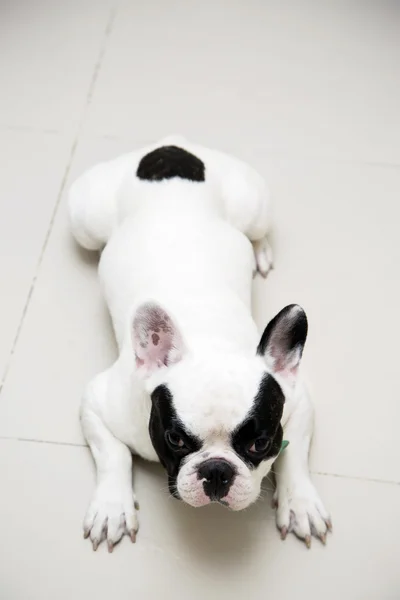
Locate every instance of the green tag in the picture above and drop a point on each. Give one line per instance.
(284, 445)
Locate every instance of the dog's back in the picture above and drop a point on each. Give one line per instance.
(173, 243)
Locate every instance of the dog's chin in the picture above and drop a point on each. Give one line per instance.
(199, 499)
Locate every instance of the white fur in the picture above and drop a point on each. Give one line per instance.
(184, 246)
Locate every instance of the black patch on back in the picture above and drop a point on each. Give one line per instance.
(163, 419)
(170, 161)
(264, 420)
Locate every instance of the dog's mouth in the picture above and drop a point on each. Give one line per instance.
(223, 503)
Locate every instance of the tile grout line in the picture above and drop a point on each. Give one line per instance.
(320, 473)
(49, 442)
(355, 477)
(285, 153)
(38, 265)
(313, 157)
(88, 99)
(99, 62)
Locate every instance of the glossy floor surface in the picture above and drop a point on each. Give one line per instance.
(309, 93)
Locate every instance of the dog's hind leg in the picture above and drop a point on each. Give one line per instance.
(246, 200)
(263, 256)
(93, 201)
(94, 198)
(248, 206)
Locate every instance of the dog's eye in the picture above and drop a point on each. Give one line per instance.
(260, 445)
(174, 440)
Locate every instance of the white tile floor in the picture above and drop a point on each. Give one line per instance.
(309, 94)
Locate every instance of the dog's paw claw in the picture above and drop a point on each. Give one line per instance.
(300, 510)
(110, 516)
(322, 537)
(132, 535)
(263, 257)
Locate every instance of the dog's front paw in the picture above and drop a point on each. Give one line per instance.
(111, 514)
(299, 509)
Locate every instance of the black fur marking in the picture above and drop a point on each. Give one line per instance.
(170, 161)
(263, 421)
(163, 419)
(289, 331)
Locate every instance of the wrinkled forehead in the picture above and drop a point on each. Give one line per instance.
(213, 400)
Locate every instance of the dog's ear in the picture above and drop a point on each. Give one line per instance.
(157, 341)
(283, 341)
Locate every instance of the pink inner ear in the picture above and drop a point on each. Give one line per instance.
(156, 340)
(286, 364)
(155, 351)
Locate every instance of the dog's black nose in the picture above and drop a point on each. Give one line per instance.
(218, 476)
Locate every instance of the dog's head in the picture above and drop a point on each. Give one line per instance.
(216, 419)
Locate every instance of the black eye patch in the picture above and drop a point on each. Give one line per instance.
(261, 430)
(165, 428)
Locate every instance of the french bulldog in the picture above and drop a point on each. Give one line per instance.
(181, 230)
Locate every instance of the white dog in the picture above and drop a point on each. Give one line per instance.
(194, 387)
